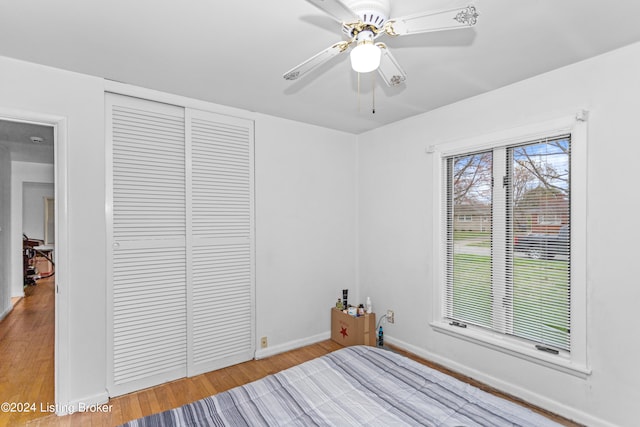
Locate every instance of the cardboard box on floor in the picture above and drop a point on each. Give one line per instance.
(349, 330)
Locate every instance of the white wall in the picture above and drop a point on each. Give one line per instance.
(395, 233)
(26, 89)
(305, 229)
(34, 194)
(5, 223)
(305, 217)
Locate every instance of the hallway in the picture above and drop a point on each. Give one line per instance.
(27, 356)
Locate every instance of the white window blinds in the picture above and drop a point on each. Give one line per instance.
(508, 268)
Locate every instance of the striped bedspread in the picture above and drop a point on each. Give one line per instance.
(350, 387)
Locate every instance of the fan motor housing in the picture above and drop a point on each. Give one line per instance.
(372, 13)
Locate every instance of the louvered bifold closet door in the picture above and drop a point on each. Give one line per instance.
(147, 266)
(221, 313)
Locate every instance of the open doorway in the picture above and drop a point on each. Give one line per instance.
(38, 236)
(28, 256)
(28, 151)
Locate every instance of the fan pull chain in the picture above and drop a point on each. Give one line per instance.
(358, 92)
(373, 94)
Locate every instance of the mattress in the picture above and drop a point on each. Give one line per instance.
(354, 386)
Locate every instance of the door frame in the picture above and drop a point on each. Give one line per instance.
(61, 256)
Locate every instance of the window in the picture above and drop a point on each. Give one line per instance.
(518, 283)
(513, 278)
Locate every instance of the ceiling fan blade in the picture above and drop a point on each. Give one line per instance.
(316, 60)
(389, 69)
(432, 21)
(337, 9)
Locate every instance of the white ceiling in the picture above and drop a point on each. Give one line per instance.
(16, 136)
(235, 52)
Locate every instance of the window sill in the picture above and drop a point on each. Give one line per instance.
(513, 347)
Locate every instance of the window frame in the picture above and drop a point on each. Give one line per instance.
(575, 361)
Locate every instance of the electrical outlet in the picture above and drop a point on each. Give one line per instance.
(263, 342)
(390, 317)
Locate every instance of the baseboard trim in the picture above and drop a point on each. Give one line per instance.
(291, 345)
(6, 312)
(504, 386)
(95, 403)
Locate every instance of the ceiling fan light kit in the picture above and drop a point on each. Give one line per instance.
(365, 57)
(363, 21)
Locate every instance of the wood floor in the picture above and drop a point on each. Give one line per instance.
(26, 353)
(26, 372)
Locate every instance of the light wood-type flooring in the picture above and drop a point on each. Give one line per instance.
(26, 372)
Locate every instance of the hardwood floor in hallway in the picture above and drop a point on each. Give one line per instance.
(26, 355)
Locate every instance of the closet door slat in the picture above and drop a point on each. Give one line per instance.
(222, 295)
(148, 244)
(181, 257)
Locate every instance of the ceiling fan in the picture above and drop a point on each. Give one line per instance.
(363, 21)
